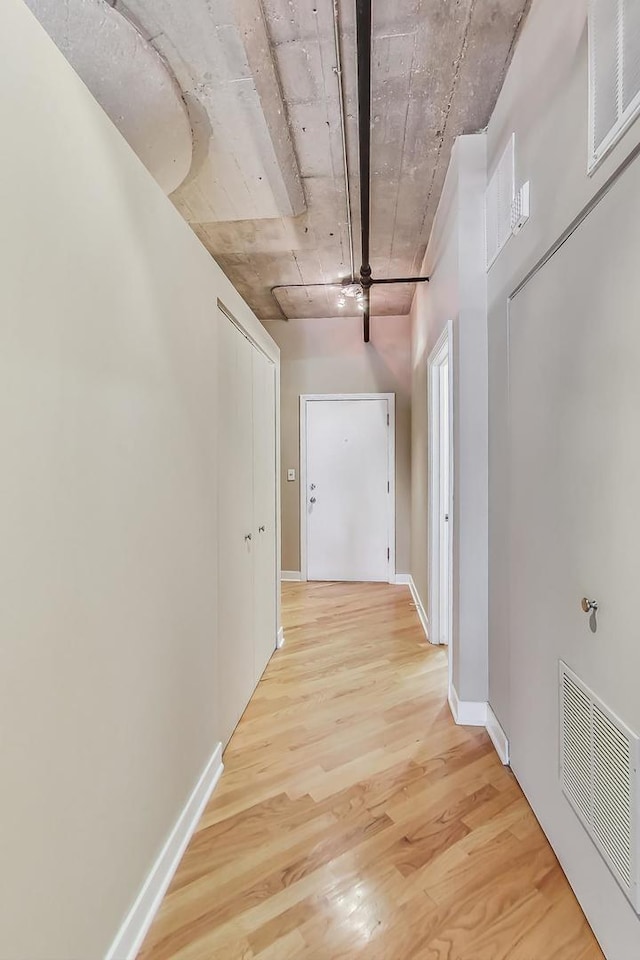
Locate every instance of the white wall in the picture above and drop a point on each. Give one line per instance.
(456, 294)
(108, 347)
(544, 100)
(330, 356)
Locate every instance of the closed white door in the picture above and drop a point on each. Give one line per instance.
(445, 507)
(347, 496)
(236, 663)
(264, 510)
(440, 496)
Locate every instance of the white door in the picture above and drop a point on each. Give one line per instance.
(445, 506)
(264, 510)
(236, 663)
(573, 520)
(440, 505)
(348, 490)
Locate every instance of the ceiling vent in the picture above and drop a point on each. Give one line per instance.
(599, 776)
(614, 73)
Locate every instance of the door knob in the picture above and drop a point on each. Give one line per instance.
(588, 605)
(313, 500)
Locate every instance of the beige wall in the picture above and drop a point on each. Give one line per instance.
(108, 509)
(456, 295)
(329, 356)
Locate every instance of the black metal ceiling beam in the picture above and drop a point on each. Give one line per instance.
(364, 50)
(363, 39)
(366, 295)
(402, 280)
(341, 283)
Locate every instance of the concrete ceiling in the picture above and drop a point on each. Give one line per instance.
(265, 191)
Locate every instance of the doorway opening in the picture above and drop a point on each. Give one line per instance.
(440, 490)
(347, 487)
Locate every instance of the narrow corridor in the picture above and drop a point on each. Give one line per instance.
(355, 820)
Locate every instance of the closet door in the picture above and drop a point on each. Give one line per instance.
(236, 536)
(574, 529)
(264, 500)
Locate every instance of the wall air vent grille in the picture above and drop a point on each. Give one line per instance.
(614, 73)
(498, 200)
(599, 775)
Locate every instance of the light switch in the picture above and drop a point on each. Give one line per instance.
(291, 474)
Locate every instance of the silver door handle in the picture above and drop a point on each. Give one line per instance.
(247, 536)
(313, 500)
(261, 529)
(588, 605)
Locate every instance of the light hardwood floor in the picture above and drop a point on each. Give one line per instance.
(355, 820)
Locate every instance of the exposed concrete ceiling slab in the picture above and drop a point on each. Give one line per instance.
(266, 188)
(437, 69)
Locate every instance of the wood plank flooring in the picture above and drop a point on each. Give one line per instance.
(355, 821)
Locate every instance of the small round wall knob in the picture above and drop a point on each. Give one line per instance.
(588, 605)
(313, 500)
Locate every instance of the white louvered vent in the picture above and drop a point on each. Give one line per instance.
(599, 774)
(614, 73)
(498, 200)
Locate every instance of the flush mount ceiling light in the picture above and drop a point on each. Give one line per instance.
(354, 291)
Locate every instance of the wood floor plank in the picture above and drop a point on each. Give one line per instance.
(355, 821)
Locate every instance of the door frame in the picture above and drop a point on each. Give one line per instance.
(442, 351)
(391, 454)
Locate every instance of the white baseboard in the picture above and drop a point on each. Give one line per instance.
(293, 575)
(422, 613)
(498, 736)
(470, 713)
(403, 579)
(129, 938)
(467, 713)
(280, 640)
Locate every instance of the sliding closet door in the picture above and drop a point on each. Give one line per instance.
(264, 499)
(236, 664)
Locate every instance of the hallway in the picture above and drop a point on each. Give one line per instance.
(354, 819)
